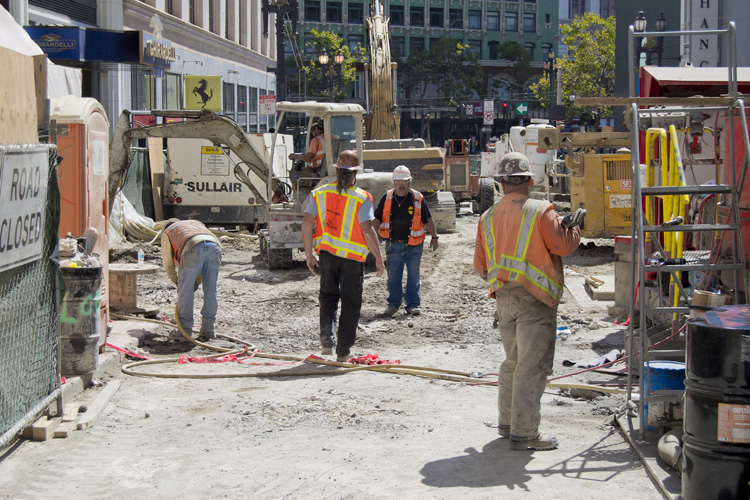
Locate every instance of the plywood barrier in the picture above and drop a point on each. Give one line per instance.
(18, 108)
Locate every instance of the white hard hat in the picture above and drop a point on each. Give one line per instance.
(401, 173)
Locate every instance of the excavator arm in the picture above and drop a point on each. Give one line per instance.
(382, 120)
(200, 124)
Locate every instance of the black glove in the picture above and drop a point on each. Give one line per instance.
(574, 219)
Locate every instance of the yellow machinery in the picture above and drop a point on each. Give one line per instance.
(602, 185)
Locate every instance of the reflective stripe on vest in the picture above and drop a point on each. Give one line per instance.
(516, 264)
(417, 232)
(317, 159)
(341, 236)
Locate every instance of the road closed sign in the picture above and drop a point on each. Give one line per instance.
(489, 117)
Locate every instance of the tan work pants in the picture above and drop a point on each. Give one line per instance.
(527, 328)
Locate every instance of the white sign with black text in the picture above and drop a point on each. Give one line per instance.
(23, 198)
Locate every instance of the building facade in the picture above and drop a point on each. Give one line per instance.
(153, 54)
(418, 24)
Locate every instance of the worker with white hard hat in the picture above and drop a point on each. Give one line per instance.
(402, 219)
(338, 227)
(519, 248)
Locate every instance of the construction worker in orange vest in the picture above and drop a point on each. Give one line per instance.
(314, 156)
(401, 219)
(338, 227)
(519, 248)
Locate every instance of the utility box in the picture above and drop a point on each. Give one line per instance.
(602, 185)
(82, 131)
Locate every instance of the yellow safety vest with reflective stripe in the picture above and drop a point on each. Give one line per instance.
(337, 229)
(417, 232)
(525, 259)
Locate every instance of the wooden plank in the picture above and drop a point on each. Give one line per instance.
(18, 110)
(64, 429)
(70, 412)
(156, 161)
(656, 101)
(89, 418)
(43, 428)
(40, 85)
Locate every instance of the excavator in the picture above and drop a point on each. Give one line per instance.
(384, 150)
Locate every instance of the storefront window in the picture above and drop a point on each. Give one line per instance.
(143, 97)
(228, 95)
(262, 122)
(242, 106)
(172, 91)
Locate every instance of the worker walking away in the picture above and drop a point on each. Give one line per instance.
(196, 252)
(401, 219)
(338, 226)
(519, 248)
(314, 157)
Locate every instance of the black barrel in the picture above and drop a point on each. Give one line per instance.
(716, 440)
(80, 319)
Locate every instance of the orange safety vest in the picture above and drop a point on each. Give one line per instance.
(180, 232)
(417, 233)
(317, 148)
(337, 229)
(518, 253)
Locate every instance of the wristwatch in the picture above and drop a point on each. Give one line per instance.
(434, 237)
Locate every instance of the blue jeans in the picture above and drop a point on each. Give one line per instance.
(204, 259)
(397, 256)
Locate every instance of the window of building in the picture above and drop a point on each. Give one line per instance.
(416, 16)
(397, 46)
(354, 41)
(242, 106)
(310, 48)
(172, 91)
(511, 21)
(436, 17)
(191, 11)
(546, 47)
(493, 21)
(606, 8)
(397, 15)
(576, 8)
(434, 42)
(252, 108)
(530, 1)
(492, 48)
(169, 7)
(143, 96)
(456, 19)
(546, 19)
(475, 19)
(530, 49)
(529, 23)
(334, 13)
(475, 46)
(228, 98)
(262, 122)
(356, 13)
(416, 45)
(312, 11)
(211, 16)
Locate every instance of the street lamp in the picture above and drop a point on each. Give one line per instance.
(651, 46)
(550, 68)
(331, 74)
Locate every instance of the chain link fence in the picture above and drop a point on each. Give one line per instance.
(29, 297)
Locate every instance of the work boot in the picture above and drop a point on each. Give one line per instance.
(326, 350)
(205, 333)
(342, 358)
(413, 311)
(390, 310)
(541, 443)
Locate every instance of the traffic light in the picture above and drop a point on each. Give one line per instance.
(506, 110)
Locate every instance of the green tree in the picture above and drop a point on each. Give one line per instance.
(450, 67)
(520, 67)
(589, 68)
(332, 43)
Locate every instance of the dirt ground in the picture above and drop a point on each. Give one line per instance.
(352, 435)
